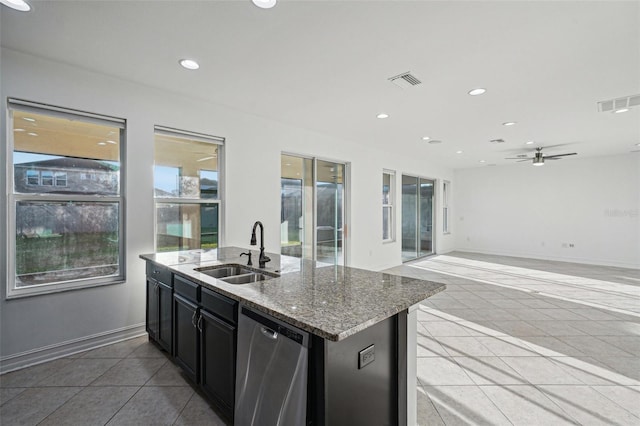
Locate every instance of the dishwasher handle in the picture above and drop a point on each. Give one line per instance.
(269, 333)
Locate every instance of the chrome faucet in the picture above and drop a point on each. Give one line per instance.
(262, 260)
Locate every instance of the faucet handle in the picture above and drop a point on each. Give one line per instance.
(249, 263)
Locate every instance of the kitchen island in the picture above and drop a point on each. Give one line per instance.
(361, 325)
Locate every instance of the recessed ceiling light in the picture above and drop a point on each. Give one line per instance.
(102, 143)
(207, 158)
(189, 64)
(638, 144)
(458, 152)
(287, 164)
(478, 91)
(18, 130)
(509, 123)
(112, 142)
(29, 119)
(482, 161)
(32, 134)
(528, 143)
(425, 138)
(20, 5)
(382, 115)
(618, 111)
(264, 4)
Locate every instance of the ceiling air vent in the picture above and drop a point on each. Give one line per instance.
(405, 80)
(619, 103)
(497, 141)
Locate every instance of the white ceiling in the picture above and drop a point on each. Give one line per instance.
(324, 66)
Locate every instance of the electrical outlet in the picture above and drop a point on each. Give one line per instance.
(571, 245)
(366, 356)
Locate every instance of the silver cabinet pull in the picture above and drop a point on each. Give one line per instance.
(193, 319)
(200, 323)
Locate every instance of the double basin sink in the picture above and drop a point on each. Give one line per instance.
(236, 274)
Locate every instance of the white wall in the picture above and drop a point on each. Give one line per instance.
(253, 147)
(526, 211)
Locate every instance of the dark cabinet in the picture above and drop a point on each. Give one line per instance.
(185, 337)
(198, 327)
(218, 360)
(159, 316)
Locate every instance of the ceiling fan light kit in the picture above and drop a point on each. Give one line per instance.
(538, 157)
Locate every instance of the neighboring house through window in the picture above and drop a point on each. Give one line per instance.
(187, 189)
(67, 231)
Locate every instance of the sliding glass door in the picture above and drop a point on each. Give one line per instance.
(417, 217)
(312, 209)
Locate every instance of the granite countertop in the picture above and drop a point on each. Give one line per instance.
(333, 302)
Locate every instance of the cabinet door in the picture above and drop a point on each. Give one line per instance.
(165, 317)
(218, 359)
(152, 309)
(185, 336)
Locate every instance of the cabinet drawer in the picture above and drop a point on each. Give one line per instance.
(220, 305)
(159, 273)
(186, 288)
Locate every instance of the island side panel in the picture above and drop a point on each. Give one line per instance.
(361, 374)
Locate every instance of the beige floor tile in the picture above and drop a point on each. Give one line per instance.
(526, 405)
(627, 397)
(168, 375)
(426, 411)
(35, 404)
(588, 406)
(506, 346)
(29, 376)
(592, 372)
(489, 371)
(198, 412)
(441, 371)
(153, 406)
(80, 372)
(91, 406)
(540, 371)
(130, 372)
(117, 350)
(6, 394)
(464, 405)
(463, 346)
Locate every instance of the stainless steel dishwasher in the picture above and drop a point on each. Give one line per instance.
(271, 372)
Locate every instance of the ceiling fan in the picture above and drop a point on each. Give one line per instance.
(539, 157)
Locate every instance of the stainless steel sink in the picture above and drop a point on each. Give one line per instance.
(236, 274)
(222, 271)
(246, 278)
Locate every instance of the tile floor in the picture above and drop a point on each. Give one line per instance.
(492, 349)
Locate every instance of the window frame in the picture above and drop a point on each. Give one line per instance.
(13, 198)
(219, 142)
(446, 209)
(390, 206)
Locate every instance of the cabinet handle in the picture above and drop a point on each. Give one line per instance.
(193, 319)
(200, 323)
(269, 333)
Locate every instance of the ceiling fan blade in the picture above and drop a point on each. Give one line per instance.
(558, 155)
(518, 158)
(526, 159)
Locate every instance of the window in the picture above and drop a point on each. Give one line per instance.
(33, 177)
(46, 178)
(187, 190)
(446, 212)
(61, 179)
(388, 200)
(68, 232)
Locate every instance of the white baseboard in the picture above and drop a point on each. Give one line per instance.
(69, 347)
